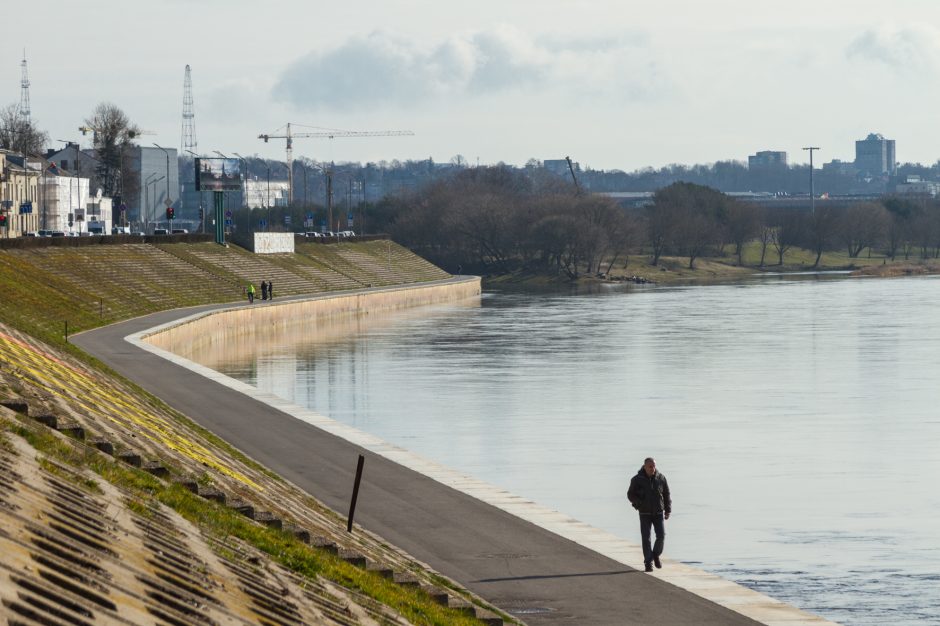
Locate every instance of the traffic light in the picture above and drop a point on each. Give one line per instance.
(170, 213)
(201, 213)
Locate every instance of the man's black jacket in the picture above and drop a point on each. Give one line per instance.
(649, 494)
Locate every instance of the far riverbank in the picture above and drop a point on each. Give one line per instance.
(675, 270)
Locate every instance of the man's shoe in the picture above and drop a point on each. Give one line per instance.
(657, 562)
(649, 567)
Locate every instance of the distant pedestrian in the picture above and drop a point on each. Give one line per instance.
(270, 290)
(459, 269)
(649, 494)
(264, 290)
(251, 293)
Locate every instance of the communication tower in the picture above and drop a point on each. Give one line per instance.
(24, 91)
(188, 134)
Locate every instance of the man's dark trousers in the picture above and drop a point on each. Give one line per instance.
(655, 521)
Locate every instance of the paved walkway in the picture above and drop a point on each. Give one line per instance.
(519, 566)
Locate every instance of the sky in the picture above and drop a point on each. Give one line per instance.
(615, 84)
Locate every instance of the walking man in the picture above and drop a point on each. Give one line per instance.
(251, 293)
(649, 494)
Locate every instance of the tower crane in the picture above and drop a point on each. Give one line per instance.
(322, 134)
(577, 187)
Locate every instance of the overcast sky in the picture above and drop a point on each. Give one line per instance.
(614, 84)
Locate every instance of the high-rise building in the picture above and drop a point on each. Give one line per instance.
(875, 155)
(767, 160)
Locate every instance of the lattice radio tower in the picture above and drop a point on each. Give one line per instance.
(188, 134)
(24, 92)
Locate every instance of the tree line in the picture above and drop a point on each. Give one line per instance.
(496, 220)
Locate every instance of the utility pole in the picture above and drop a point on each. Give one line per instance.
(812, 190)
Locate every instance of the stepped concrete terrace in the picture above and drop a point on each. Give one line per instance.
(540, 565)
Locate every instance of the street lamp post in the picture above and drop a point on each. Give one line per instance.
(812, 190)
(244, 178)
(154, 206)
(202, 195)
(145, 210)
(168, 200)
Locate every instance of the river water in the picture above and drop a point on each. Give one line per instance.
(797, 419)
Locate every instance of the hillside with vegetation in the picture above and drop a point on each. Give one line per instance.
(118, 509)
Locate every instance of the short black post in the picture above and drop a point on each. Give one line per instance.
(352, 505)
(66, 331)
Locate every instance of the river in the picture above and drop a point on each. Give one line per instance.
(797, 418)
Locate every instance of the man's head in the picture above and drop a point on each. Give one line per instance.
(649, 464)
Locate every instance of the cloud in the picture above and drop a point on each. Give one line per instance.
(909, 48)
(381, 69)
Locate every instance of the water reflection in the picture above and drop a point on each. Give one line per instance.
(796, 419)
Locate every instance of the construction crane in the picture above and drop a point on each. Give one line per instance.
(325, 133)
(577, 187)
(132, 134)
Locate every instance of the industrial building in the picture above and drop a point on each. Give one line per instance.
(875, 156)
(767, 160)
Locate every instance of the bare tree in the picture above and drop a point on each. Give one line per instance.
(113, 137)
(743, 225)
(863, 226)
(787, 233)
(821, 228)
(765, 235)
(19, 135)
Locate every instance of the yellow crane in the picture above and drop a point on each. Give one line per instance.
(325, 133)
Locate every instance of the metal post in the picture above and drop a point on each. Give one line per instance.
(329, 198)
(812, 189)
(219, 212)
(355, 494)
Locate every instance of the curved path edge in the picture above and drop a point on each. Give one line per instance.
(537, 563)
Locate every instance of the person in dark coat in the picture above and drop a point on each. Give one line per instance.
(264, 290)
(270, 290)
(649, 495)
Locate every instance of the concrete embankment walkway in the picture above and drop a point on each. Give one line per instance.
(537, 564)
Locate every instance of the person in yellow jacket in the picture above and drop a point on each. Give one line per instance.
(251, 293)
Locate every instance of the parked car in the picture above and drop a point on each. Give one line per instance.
(346, 233)
(31, 234)
(121, 230)
(57, 233)
(313, 235)
(160, 231)
(44, 232)
(179, 231)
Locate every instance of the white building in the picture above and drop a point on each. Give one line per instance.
(263, 194)
(64, 197)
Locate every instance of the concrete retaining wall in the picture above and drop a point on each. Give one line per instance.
(245, 320)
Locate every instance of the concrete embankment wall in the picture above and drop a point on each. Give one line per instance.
(244, 320)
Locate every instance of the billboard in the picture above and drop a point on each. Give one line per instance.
(218, 174)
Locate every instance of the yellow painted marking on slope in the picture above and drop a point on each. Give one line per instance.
(75, 386)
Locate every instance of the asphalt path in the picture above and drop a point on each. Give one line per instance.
(523, 569)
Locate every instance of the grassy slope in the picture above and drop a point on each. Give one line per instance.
(94, 286)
